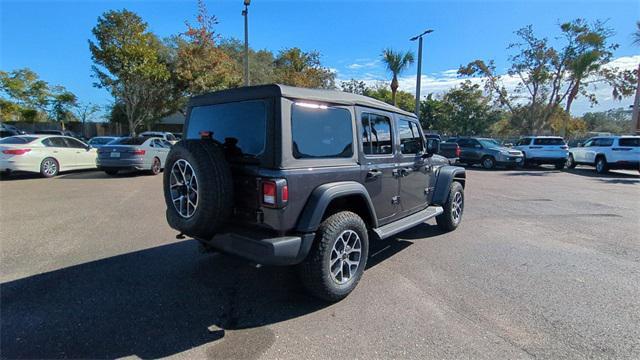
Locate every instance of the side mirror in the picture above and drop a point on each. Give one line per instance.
(433, 147)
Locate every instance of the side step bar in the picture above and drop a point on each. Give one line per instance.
(408, 222)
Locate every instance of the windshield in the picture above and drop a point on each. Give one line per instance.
(100, 141)
(18, 140)
(489, 143)
(240, 126)
(130, 141)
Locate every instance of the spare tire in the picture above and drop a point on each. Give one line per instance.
(198, 188)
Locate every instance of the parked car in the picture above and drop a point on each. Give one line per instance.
(449, 150)
(100, 141)
(165, 135)
(607, 153)
(56, 132)
(488, 153)
(134, 153)
(11, 129)
(538, 150)
(8, 132)
(45, 154)
(290, 176)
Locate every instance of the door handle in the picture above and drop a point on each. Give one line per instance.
(374, 173)
(406, 171)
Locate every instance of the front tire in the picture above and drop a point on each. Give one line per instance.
(601, 165)
(453, 208)
(488, 162)
(571, 162)
(338, 257)
(49, 167)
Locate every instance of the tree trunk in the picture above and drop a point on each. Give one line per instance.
(572, 95)
(394, 89)
(636, 106)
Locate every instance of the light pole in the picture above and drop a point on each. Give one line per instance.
(419, 38)
(245, 13)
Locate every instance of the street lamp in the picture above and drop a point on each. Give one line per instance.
(245, 13)
(419, 38)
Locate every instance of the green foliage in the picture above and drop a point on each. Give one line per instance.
(298, 68)
(616, 121)
(129, 62)
(261, 62)
(404, 100)
(354, 86)
(396, 63)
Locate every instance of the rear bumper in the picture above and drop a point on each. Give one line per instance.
(122, 164)
(283, 250)
(509, 161)
(9, 166)
(548, 160)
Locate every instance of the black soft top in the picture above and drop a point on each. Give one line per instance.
(277, 90)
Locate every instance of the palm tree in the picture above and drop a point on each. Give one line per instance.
(396, 62)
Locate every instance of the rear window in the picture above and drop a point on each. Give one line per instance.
(321, 132)
(239, 125)
(130, 141)
(100, 141)
(633, 142)
(18, 140)
(548, 141)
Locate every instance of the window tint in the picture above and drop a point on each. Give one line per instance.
(603, 142)
(321, 133)
(130, 141)
(410, 139)
(241, 126)
(73, 143)
(376, 134)
(589, 143)
(634, 142)
(548, 141)
(54, 142)
(463, 143)
(100, 141)
(18, 140)
(523, 142)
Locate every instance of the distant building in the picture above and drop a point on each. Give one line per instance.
(172, 123)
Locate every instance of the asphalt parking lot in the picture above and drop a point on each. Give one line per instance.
(545, 265)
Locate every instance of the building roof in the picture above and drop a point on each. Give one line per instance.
(334, 97)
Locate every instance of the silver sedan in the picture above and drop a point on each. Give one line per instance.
(134, 153)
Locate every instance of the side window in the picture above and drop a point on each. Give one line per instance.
(170, 137)
(463, 143)
(376, 134)
(73, 143)
(474, 143)
(54, 142)
(410, 139)
(523, 142)
(321, 133)
(605, 142)
(589, 143)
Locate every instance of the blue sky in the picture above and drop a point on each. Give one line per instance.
(50, 37)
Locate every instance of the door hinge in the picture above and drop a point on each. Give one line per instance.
(395, 200)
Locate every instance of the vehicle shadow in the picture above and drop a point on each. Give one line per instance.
(611, 176)
(152, 303)
(97, 174)
(75, 174)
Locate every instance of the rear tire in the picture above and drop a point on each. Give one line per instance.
(111, 172)
(198, 188)
(453, 208)
(571, 162)
(488, 162)
(601, 165)
(49, 167)
(338, 257)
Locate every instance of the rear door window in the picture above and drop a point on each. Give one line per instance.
(523, 142)
(603, 142)
(321, 132)
(73, 143)
(376, 134)
(54, 142)
(632, 142)
(240, 126)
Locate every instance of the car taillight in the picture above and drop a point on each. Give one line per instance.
(458, 151)
(275, 193)
(269, 193)
(138, 152)
(16, 151)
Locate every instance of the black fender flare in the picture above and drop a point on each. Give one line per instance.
(322, 196)
(444, 177)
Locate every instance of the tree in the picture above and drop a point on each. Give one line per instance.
(470, 112)
(298, 68)
(404, 100)
(128, 63)
(24, 92)
(62, 104)
(86, 112)
(261, 62)
(354, 86)
(396, 63)
(434, 114)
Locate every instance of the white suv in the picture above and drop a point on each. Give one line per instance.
(607, 152)
(165, 135)
(543, 150)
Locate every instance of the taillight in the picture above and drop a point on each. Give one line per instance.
(275, 193)
(138, 152)
(269, 193)
(458, 151)
(16, 151)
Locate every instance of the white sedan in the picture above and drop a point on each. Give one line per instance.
(45, 154)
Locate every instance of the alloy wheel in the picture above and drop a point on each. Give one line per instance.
(345, 257)
(456, 207)
(49, 167)
(184, 188)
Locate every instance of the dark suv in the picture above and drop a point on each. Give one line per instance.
(291, 176)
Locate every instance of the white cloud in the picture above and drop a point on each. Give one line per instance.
(439, 83)
(363, 64)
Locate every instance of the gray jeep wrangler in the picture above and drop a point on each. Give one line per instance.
(290, 176)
